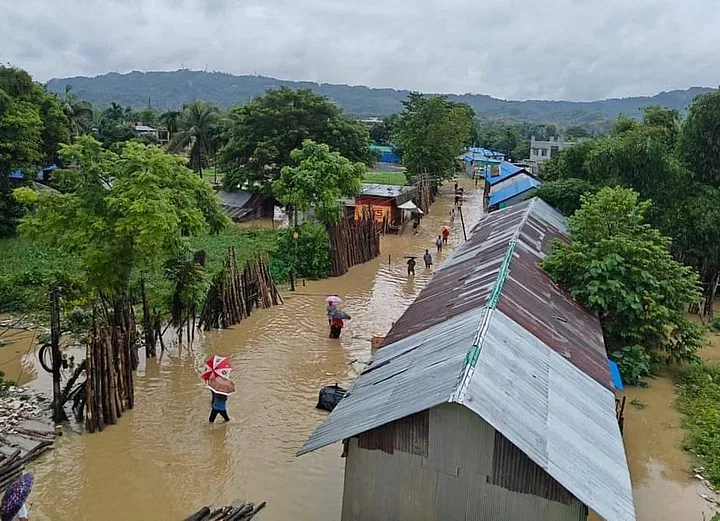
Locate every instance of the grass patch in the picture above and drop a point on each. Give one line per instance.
(246, 241)
(27, 271)
(699, 401)
(385, 178)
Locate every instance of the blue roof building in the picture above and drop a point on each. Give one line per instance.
(512, 193)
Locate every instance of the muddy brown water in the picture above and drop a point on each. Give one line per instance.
(162, 461)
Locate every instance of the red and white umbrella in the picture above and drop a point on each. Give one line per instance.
(217, 367)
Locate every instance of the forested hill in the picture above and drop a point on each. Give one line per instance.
(169, 90)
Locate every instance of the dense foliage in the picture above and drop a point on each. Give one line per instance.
(262, 134)
(431, 132)
(120, 213)
(170, 90)
(317, 179)
(565, 195)
(304, 251)
(621, 268)
(32, 126)
(198, 129)
(700, 402)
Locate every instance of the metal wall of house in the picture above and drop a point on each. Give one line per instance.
(452, 483)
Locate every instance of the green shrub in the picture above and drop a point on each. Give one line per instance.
(634, 363)
(699, 401)
(309, 253)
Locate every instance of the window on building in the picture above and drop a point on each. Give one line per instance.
(554, 151)
(543, 152)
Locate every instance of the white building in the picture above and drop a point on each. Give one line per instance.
(541, 151)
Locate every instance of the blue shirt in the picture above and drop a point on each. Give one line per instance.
(219, 402)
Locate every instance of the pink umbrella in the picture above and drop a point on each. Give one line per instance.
(217, 367)
(334, 299)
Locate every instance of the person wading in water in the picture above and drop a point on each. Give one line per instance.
(219, 406)
(337, 322)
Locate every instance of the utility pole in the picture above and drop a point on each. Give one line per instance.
(58, 414)
(462, 221)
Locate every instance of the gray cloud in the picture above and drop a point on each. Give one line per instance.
(518, 49)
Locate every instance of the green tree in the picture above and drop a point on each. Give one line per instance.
(663, 118)
(431, 132)
(550, 131)
(79, 113)
(171, 120)
(262, 134)
(198, 129)
(317, 179)
(381, 133)
(621, 268)
(32, 126)
(700, 138)
(565, 195)
(121, 213)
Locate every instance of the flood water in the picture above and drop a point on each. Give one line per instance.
(163, 461)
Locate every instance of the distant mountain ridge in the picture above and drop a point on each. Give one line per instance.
(169, 90)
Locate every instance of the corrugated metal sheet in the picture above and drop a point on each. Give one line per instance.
(559, 417)
(377, 190)
(236, 199)
(507, 170)
(513, 470)
(409, 434)
(522, 186)
(560, 414)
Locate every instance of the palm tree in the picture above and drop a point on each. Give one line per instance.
(78, 112)
(197, 128)
(171, 119)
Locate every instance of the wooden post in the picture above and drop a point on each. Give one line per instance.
(463, 222)
(58, 413)
(150, 350)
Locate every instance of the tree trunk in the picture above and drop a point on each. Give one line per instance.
(58, 413)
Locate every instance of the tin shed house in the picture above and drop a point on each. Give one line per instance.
(491, 399)
(392, 205)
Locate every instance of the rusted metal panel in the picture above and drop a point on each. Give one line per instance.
(409, 434)
(513, 470)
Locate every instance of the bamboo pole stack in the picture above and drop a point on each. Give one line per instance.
(234, 293)
(110, 361)
(426, 192)
(240, 511)
(353, 243)
(13, 465)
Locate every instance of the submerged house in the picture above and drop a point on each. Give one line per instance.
(392, 205)
(245, 206)
(491, 398)
(507, 184)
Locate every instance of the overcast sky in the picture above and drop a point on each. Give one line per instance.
(517, 49)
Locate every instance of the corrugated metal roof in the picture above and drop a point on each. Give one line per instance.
(493, 333)
(236, 199)
(377, 190)
(524, 184)
(563, 420)
(507, 170)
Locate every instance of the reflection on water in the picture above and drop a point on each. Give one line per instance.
(163, 461)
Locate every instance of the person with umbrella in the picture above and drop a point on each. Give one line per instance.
(337, 319)
(217, 376)
(13, 505)
(411, 265)
(331, 301)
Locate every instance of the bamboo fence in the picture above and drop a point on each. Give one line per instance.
(353, 243)
(110, 363)
(234, 293)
